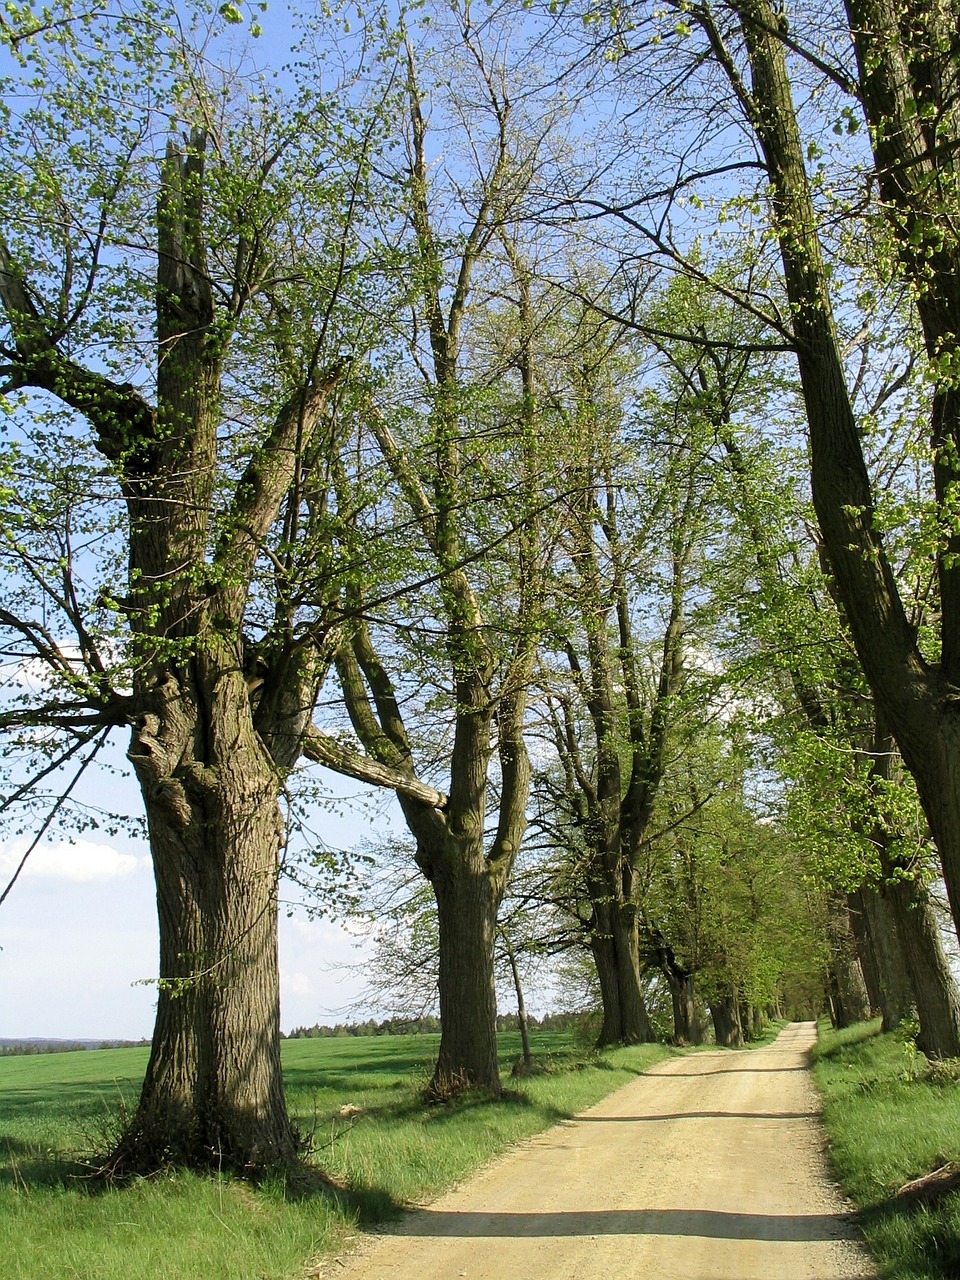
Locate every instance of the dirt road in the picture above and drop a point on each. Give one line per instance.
(710, 1167)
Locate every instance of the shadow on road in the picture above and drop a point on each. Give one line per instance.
(632, 1222)
(724, 1071)
(694, 1115)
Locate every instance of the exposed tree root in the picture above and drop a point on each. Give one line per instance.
(932, 1186)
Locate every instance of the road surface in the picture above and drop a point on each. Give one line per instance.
(709, 1167)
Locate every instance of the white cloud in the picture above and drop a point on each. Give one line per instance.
(295, 984)
(81, 862)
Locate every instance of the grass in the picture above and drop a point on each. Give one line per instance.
(890, 1118)
(54, 1108)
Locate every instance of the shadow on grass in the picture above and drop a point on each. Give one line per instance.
(26, 1168)
(832, 1043)
(84, 1103)
(444, 1113)
(32, 1168)
(906, 1235)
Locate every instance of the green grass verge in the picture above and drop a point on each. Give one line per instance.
(55, 1108)
(891, 1117)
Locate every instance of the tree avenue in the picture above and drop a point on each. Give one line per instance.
(908, 63)
(308, 390)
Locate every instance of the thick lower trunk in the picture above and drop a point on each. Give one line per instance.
(687, 1024)
(616, 953)
(467, 904)
(934, 986)
(751, 1020)
(884, 963)
(726, 1021)
(213, 1092)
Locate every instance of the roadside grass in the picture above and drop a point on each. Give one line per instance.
(392, 1151)
(892, 1117)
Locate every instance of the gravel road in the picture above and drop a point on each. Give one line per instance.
(708, 1167)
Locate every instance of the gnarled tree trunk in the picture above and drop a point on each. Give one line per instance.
(213, 1092)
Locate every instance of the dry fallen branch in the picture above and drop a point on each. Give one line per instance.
(932, 1186)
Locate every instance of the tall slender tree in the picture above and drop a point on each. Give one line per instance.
(469, 468)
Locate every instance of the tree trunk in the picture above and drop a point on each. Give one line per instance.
(726, 1021)
(917, 930)
(882, 956)
(616, 953)
(933, 983)
(751, 1020)
(467, 904)
(605, 960)
(521, 1006)
(850, 1000)
(213, 1092)
(687, 1025)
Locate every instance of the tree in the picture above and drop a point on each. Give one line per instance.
(200, 405)
(907, 67)
(470, 466)
(633, 542)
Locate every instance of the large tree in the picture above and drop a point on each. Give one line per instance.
(180, 273)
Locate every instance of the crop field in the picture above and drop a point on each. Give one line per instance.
(58, 1111)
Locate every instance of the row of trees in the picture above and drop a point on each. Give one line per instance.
(336, 434)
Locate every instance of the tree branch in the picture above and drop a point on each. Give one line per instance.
(326, 750)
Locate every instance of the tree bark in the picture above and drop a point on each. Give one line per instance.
(934, 986)
(726, 1021)
(467, 906)
(687, 1024)
(616, 955)
(848, 990)
(213, 1091)
(936, 996)
(884, 964)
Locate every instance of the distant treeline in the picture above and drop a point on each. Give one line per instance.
(19, 1048)
(428, 1025)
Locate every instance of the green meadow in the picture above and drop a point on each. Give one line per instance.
(58, 1110)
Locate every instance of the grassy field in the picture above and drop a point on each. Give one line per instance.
(891, 1118)
(56, 1108)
